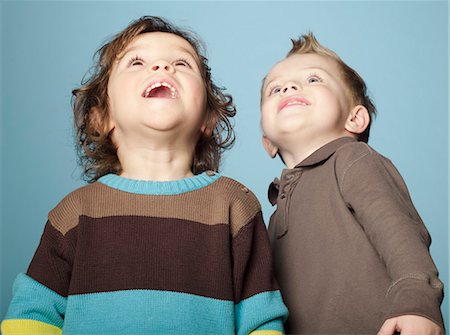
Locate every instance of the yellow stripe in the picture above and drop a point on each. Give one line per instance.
(266, 332)
(28, 327)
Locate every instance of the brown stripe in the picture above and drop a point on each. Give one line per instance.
(222, 202)
(252, 261)
(52, 262)
(119, 253)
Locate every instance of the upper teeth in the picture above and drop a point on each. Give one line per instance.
(162, 83)
(296, 102)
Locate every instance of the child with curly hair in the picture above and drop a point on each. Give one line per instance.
(158, 242)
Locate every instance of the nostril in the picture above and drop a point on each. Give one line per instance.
(155, 67)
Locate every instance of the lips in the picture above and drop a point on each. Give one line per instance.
(160, 88)
(293, 101)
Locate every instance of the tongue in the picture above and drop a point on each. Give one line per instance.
(160, 92)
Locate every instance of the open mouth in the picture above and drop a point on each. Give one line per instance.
(293, 101)
(160, 89)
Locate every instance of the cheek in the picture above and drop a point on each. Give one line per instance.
(112, 106)
(265, 119)
(200, 102)
(110, 95)
(266, 109)
(119, 96)
(199, 96)
(203, 96)
(331, 100)
(201, 89)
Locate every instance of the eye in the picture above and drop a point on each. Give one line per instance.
(135, 61)
(314, 78)
(275, 90)
(182, 62)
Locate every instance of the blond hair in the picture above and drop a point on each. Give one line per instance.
(308, 44)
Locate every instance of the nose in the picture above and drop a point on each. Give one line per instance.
(290, 86)
(162, 65)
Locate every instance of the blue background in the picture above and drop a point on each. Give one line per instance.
(400, 48)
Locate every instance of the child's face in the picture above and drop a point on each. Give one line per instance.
(304, 98)
(156, 87)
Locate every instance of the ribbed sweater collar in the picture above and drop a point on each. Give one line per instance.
(159, 187)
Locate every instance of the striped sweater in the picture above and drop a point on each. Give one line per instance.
(122, 256)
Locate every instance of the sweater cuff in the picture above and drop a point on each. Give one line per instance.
(415, 295)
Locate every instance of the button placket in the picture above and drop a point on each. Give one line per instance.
(287, 185)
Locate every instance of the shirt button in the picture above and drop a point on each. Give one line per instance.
(210, 173)
(283, 195)
(245, 189)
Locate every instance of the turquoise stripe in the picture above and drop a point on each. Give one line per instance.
(143, 311)
(263, 311)
(147, 312)
(32, 300)
(159, 187)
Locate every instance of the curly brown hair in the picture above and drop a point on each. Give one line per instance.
(96, 151)
(356, 86)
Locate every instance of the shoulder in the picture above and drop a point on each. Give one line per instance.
(64, 216)
(358, 162)
(352, 151)
(354, 154)
(236, 191)
(243, 204)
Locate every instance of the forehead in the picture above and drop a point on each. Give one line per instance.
(160, 41)
(299, 62)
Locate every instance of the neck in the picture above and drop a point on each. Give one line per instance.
(165, 164)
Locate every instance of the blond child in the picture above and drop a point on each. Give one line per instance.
(158, 242)
(350, 251)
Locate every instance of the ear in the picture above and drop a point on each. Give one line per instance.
(206, 130)
(271, 148)
(358, 120)
(99, 123)
(208, 126)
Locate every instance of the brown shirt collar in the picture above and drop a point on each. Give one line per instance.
(324, 152)
(318, 156)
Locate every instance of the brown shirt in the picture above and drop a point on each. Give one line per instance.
(350, 250)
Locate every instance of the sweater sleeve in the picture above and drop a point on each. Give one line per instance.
(377, 195)
(40, 296)
(259, 308)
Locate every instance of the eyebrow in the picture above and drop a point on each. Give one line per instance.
(262, 86)
(142, 46)
(264, 79)
(318, 68)
(128, 50)
(303, 70)
(195, 56)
